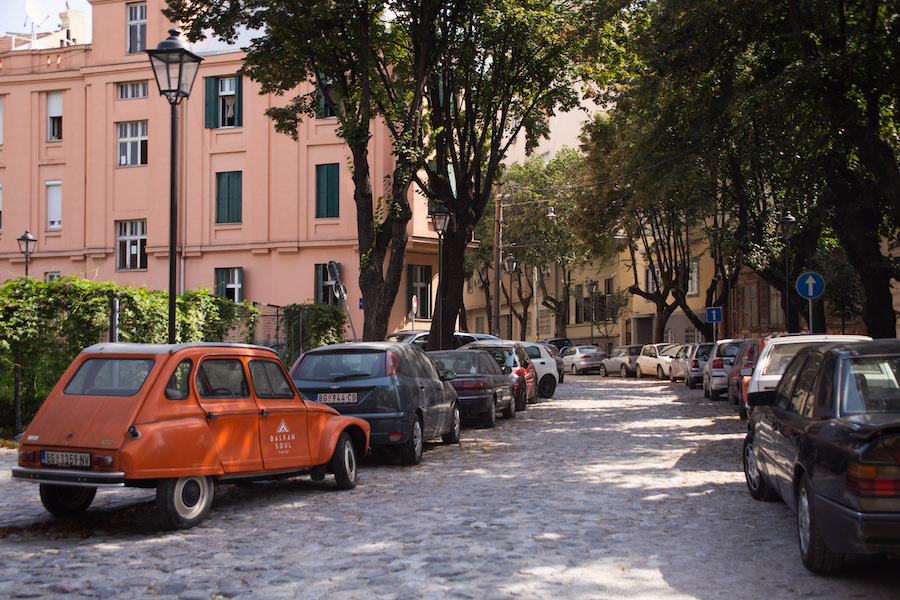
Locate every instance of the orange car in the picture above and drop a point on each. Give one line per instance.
(180, 418)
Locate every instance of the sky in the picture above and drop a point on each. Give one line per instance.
(12, 15)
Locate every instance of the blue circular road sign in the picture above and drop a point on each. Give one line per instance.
(810, 285)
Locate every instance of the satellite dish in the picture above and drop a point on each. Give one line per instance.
(36, 12)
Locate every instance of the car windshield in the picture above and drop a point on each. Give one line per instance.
(399, 337)
(703, 351)
(109, 377)
(870, 385)
(780, 356)
(338, 366)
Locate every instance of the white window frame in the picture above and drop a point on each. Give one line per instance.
(133, 89)
(54, 204)
(136, 26)
(129, 135)
(226, 87)
(234, 282)
(694, 279)
(54, 116)
(52, 275)
(130, 234)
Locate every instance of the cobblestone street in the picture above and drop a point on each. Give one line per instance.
(613, 489)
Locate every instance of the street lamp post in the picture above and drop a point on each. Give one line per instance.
(592, 289)
(26, 246)
(787, 231)
(511, 265)
(175, 68)
(440, 218)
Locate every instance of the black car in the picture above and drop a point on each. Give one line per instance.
(480, 384)
(393, 386)
(827, 441)
(513, 360)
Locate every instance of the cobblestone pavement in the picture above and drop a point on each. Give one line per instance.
(612, 489)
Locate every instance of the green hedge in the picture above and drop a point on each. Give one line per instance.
(54, 320)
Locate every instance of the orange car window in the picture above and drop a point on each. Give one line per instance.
(178, 387)
(110, 377)
(269, 380)
(222, 378)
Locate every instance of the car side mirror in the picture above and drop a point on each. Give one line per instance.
(766, 398)
(448, 375)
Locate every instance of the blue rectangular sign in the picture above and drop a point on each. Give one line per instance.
(713, 314)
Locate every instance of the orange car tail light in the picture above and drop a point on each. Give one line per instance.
(102, 460)
(873, 480)
(717, 363)
(27, 456)
(391, 363)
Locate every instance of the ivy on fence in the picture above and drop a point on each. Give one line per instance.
(51, 322)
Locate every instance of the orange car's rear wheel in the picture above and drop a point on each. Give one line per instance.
(66, 500)
(185, 501)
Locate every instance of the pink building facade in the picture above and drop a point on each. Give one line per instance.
(84, 166)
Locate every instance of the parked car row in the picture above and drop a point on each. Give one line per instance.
(183, 418)
(823, 431)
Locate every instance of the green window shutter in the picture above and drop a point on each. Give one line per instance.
(333, 191)
(320, 282)
(221, 280)
(327, 192)
(234, 199)
(211, 85)
(409, 288)
(238, 101)
(221, 197)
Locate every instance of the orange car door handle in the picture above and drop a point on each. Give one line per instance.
(211, 416)
(264, 412)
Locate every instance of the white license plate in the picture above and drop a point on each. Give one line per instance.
(337, 398)
(54, 458)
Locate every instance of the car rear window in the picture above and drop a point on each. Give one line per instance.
(870, 385)
(729, 350)
(780, 356)
(458, 362)
(703, 351)
(337, 366)
(109, 377)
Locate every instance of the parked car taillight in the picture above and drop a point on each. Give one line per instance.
(695, 364)
(872, 480)
(718, 364)
(391, 363)
(519, 372)
(468, 384)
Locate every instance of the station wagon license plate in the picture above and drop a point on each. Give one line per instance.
(54, 458)
(337, 398)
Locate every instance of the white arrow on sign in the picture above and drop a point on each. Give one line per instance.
(811, 285)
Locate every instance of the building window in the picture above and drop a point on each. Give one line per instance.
(325, 285)
(230, 283)
(579, 304)
(327, 191)
(132, 143)
(776, 311)
(651, 281)
(224, 101)
(54, 204)
(418, 280)
(52, 276)
(669, 336)
(327, 106)
(132, 89)
(470, 284)
(228, 197)
(694, 279)
(751, 305)
(690, 335)
(608, 286)
(54, 116)
(137, 27)
(132, 244)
